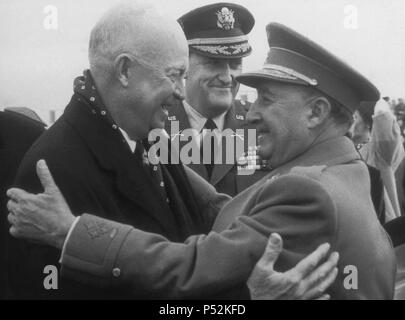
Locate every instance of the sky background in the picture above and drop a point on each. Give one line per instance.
(37, 66)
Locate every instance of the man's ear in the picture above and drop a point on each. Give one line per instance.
(318, 111)
(122, 66)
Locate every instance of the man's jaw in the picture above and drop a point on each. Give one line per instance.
(262, 134)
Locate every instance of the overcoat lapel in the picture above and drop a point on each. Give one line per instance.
(112, 153)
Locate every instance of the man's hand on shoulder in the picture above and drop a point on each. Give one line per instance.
(309, 279)
(45, 217)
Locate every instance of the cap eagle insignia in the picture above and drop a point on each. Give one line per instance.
(226, 19)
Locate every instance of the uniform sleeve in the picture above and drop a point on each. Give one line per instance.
(298, 208)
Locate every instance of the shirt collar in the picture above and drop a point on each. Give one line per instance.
(197, 120)
(131, 143)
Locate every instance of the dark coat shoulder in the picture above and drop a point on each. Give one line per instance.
(17, 134)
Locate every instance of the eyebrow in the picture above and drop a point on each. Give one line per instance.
(180, 68)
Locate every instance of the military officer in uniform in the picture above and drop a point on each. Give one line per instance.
(218, 41)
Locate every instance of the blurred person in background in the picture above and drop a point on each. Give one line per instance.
(377, 137)
(399, 108)
(19, 128)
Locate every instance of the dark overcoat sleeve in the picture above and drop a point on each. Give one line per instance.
(296, 207)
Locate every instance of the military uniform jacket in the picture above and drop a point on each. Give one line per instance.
(226, 178)
(97, 172)
(321, 196)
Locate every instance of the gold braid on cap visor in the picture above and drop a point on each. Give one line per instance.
(226, 46)
(200, 41)
(226, 50)
(286, 73)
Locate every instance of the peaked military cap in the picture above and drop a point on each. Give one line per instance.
(296, 59)
(218, 30)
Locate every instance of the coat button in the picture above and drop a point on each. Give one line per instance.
(116, 272)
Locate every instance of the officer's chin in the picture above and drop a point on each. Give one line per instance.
(222, 103)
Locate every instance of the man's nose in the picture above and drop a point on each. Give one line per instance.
(253, 116)
(225, 74)
(179, 90)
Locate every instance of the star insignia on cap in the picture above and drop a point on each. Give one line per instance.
(226, 19)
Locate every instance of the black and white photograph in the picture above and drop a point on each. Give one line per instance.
(188, 151)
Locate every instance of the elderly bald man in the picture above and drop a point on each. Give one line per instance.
(97, 157)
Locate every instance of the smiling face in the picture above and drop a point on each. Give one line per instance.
(280, 115)
(138, 58)
(153, 91)
(211, 86)
(154, 82)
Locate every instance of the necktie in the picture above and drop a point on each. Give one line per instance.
(208, 142)
(155, 171)
(140, 153)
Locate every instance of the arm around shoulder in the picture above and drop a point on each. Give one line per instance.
(111, 254)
